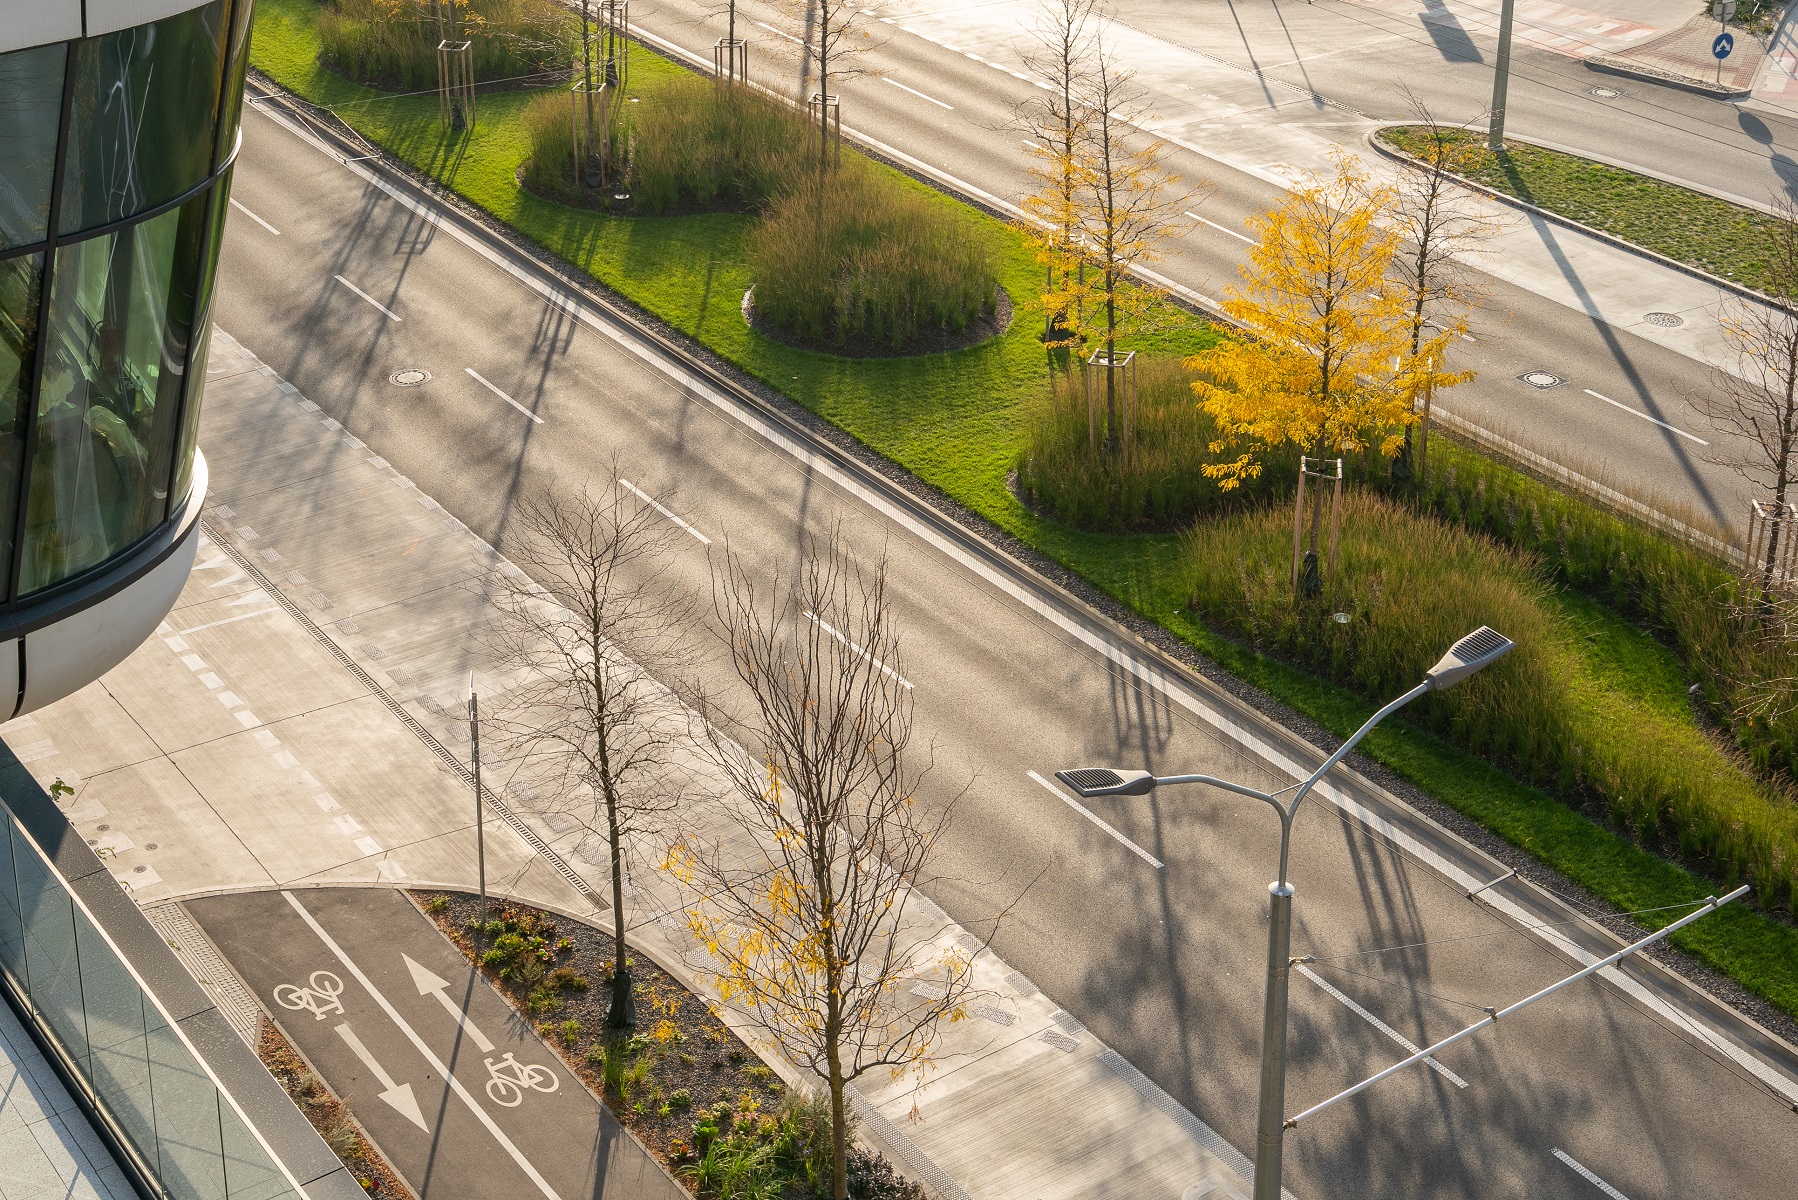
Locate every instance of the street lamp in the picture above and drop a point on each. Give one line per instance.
(1478, 649)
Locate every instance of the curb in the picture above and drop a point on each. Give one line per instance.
(1684, 83)
(1698, 273)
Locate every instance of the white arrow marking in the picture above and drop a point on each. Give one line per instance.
(399, 1095)
(431, 985)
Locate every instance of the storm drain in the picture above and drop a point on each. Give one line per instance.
(1542, 380)
(1665, 320)
(410, 376)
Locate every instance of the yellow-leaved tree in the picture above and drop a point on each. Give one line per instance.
(1330, 365)
(1057, 123)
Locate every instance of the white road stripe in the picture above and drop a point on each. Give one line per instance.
(246, 212)
(831, 630)
(1096, 819)
(644, 496)
(1032, 144)
(430, 1055)
(515, 404)
(346, 283)
(919, 95)
(778, 33)
(1594, 1180)
(1221, 228)
(1389, 1031)
(261, 612)
(1636, 412)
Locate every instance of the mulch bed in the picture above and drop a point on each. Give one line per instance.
(685, 1047)
(329, 1115)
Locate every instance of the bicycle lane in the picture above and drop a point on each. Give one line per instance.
(459, 1092)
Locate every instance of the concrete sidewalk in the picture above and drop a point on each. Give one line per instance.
(296, 723)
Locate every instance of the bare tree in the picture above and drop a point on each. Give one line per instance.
(808, 929)
(1442, 232)
(832, 42)
(1057, 123)
(584, 630)
(1756, 400)
(1128, 202)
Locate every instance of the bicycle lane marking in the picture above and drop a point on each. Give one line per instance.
(430, 1056)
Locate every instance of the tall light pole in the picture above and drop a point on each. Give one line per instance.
(1478, 649)
(1501, 79)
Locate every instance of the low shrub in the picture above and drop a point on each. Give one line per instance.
(709, 147)
(861, 253)
(392, 44)
(1409, 585)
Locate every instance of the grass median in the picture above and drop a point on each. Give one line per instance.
(959, 421)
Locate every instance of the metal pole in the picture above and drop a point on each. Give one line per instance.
(1495, 137)
(1270, 1124)
(480, 833)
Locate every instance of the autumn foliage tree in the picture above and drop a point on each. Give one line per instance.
(1329, 364)
(1056, 122)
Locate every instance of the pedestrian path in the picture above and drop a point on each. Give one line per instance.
(1564, 29)
(295, 724)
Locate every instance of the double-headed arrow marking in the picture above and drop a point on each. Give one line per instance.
(399, 1095)
(429, 984)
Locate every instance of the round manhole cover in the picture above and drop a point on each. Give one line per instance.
(1665, 320)
(1604, 93)
(1541, 380)
(410, 377)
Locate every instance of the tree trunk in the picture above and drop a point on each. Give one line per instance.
(623, 1011)
(839, 1128)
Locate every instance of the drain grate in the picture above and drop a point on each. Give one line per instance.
(1661, 320)
(1542, 380)
(410, 376)
(1060, 1041)
(1604, 93)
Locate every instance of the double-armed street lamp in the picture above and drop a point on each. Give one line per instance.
(1478, 649)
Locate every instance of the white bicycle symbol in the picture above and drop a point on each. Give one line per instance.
(510, 1078)
(323, 997)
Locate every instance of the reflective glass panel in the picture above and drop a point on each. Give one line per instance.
(115, 360)
(190, 412)
(30, 111)
(118, 1052)
(145, 112)
(21, 283)
(239, 57)
(50, 958)
(189, 1141)
(12, 929)
(249, 1175)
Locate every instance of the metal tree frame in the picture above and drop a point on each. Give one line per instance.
(1771, 559)
(1122, 374)
(730, 61)
(1307, 580)
(592, 140)
(829, 111)
(455, 84)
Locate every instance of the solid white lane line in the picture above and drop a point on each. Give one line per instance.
(515, 404)
(430, 1055)
(261, 612)
(346, 283)
(246, 212)
(828, 628)
(1636, 412)
(1389, 1031)
(1594, 1180)
(1032, 144)
(919, 95)
(1096, 819)
(778, 33)
(644, 496)
(1221, 228)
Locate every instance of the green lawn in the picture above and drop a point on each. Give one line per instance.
(954, 420)
(1686, 226)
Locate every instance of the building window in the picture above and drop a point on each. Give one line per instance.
(30, 111)
(145, 116)
(21, 281)
(121, 315)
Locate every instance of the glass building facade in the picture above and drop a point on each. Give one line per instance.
(115, 167)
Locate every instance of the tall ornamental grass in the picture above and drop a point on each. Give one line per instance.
(392, 44)
(703, 146)
(1411, 584)
(860, 254)
(548, 122)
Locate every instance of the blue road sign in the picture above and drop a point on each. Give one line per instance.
(1723, 45)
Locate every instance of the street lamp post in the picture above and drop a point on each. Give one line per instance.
(1501, 79)
(1478, 649)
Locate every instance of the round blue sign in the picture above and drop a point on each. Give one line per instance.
(1723, 45)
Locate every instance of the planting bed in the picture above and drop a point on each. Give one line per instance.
(328, 1114)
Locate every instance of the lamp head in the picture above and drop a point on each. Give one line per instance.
(1088, 782)
(1478, 649)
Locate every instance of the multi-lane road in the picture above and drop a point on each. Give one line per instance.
(338, 286)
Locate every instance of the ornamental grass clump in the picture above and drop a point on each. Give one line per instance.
(392, 44)
(549, 125)
(860, 254)
(703, 146)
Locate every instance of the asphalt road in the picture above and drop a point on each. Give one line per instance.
(955, 114)
(1164, 963)
(387, 1010)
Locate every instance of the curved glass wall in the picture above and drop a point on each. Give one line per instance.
(114, 173)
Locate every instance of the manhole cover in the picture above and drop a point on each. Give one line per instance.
(410, 377)
(1665, 320)
(1604, 93)
(1541, 380)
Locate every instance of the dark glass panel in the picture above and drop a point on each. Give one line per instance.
(202, 342)
(231, 105)
(121, 312)
(30, 111)
(145, 113)
(21, 283)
